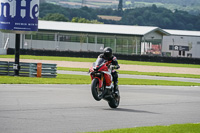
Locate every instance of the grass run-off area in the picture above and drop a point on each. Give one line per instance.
(136, 73)
(176, 128)
(82, 79)
(75, 59)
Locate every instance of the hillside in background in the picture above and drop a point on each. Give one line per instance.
(178, 2)
(191, 6)
(88, 3)
(144, 16)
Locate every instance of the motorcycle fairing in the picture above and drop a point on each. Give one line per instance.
(108, 78)
(101, 65)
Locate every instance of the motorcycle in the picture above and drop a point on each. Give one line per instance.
(102, 86)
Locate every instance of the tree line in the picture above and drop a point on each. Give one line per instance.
(145, 16)
(178, 2)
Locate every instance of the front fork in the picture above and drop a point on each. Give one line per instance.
(102, 82)
(100, 79)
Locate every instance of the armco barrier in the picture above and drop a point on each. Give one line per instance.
(29, 69)
(4, 68)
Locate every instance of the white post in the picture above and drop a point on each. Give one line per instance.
(6, 44)
(95, 43)
(127, 45)
(115, 50)
(56, 40)
(31, 41)
(136, 45)
(87, 41)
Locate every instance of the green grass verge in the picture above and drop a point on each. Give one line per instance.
(51, 58)
(60, 79)
(93, 60)
(73, 69)
(160, 74)
(127, 81)
(157, 64)
(176, 128)
(136, 73)
(82, 79)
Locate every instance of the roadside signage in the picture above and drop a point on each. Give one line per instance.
(19, 15)
(178, 48)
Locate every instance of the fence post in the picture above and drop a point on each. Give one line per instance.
(16, 66)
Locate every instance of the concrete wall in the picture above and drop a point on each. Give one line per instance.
(62, 46)
(3, 51)
(4, 37)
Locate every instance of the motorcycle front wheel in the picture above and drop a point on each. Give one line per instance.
(97, 92)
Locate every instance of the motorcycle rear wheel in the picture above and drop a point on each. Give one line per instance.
(114, 103)
(96, 92)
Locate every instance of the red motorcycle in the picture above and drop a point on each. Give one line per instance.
(102, 86)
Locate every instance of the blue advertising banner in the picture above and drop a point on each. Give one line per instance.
(19, 15)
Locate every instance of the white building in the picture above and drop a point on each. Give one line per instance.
(123, 39)
(182, 43)
(66, 36)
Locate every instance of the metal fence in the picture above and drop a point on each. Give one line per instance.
(29, 69)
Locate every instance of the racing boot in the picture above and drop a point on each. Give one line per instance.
(116, 91)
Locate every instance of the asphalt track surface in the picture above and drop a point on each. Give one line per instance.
(71, 108)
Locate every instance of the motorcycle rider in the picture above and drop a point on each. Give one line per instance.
(112, 60)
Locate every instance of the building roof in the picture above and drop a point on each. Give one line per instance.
(98, 28)
(183, 32)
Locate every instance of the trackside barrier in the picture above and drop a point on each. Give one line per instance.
(29, 69)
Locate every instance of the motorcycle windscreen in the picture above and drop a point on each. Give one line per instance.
(99, 62)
